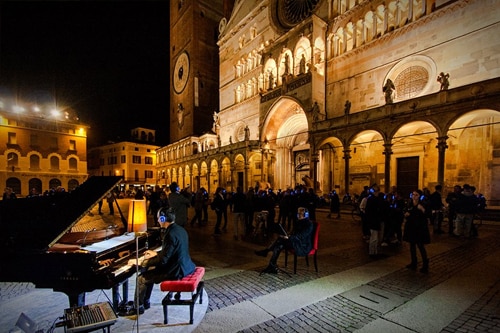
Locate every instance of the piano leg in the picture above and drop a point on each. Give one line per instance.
(75, 299)
(116, 294)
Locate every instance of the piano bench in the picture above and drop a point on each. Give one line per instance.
(191, 283)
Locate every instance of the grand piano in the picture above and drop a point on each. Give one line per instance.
(30, 229)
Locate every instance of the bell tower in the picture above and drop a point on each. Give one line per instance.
(194, 66)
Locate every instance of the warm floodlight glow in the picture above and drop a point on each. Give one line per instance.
(55, 112)
(18, 108)
(36, 109)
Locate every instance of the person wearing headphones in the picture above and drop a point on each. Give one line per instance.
(172, 262)
(300, 241)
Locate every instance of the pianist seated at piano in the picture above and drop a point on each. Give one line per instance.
(172, 262)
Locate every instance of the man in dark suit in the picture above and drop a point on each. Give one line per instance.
(173, 262)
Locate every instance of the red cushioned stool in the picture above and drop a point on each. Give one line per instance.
(191, 283)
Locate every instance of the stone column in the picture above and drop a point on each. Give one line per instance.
(231, 172)
(246, 179)
(441, 146)
(387, 169)
(314, 176)
(347, 157)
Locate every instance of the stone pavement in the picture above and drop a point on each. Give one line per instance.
(350, 293)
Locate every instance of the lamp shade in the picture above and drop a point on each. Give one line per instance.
(137, 216)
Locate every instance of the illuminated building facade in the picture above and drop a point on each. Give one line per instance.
(40, 148)
(134, 160)
(341, 94)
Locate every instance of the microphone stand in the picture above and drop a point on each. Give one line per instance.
(137, 235)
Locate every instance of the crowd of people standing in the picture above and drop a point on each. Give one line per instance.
(390, 218)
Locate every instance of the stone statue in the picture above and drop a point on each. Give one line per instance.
(271, 80)
(230, 139)
(388, 90)
(287, 63)
(247, 133)
(216, 125)
(315, 112)
(444, 80)
(347, 107)
(302, 65)
(180, 115)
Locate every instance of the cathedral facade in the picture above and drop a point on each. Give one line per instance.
(340, 94)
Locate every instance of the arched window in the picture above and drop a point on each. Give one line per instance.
(54, 183)
(73, 163)
(34, 162)
(54, 163)
(35, 183)
(72, 184)
(12, 160)
(14, 184)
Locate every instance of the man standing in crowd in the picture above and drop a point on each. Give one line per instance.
(180, 203)
(436, 206)
(451, 200)
(239, 200)
(466, 207)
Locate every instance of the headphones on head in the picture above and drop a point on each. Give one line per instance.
(165, 215)
(301, 211)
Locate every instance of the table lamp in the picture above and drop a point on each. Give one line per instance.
(137, 216)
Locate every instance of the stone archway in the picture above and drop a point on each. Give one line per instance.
(285, 138)
(473, 153)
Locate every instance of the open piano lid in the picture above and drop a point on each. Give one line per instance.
(35, 224)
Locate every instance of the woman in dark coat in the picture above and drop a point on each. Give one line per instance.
(416, 231)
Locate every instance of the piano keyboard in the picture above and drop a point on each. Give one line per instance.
(125, 268)
(89, 317)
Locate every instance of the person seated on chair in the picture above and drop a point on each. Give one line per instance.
(300, 241)
(172, 262)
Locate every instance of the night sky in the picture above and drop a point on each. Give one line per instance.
(108, 60)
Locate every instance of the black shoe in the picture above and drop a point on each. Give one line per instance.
(271, 269)
(262, 253)
(141, 310)
(425, 266)
(147, 305)
(412, 266)
(130, 310)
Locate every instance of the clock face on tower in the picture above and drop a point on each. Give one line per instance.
(181, 72)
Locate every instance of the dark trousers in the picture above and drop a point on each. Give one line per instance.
(413, 253)
(218, 221)
(279, 245)
(205, 213)
(437, 220)
(197, 216)
(249, 221)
